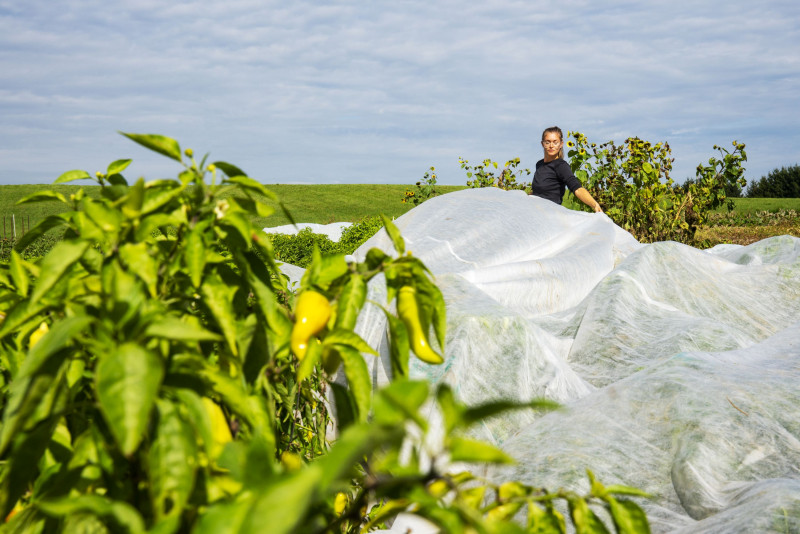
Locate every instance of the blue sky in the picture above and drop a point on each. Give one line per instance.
(377, 92)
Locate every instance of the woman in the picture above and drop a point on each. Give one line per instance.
(553, 174)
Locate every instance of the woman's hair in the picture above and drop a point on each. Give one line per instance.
(557, 130)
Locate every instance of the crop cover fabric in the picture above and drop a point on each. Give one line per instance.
(678, 368)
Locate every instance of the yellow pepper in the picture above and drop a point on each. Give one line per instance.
(408, 310)
(311, 315)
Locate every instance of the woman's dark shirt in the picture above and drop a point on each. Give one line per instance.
(551, 179)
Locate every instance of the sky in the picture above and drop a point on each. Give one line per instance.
(379, 91)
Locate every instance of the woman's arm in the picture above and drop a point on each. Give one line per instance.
(585, 197)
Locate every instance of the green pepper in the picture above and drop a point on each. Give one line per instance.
(408, 310)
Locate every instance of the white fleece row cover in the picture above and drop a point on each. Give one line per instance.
(678, 368)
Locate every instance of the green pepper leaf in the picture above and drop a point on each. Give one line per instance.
(394, 235)
(127, 381)
(157, 143)
(69, 176)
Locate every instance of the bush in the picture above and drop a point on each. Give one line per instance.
(779, 183)
(298, 249)
(632, 184)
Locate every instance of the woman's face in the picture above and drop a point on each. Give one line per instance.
(552, 144)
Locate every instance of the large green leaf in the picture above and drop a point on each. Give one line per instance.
(399, 345)
(56, 264)
(339, 337)
(42, 196)
(117, 166)
(140, 261)
(18, 273)
(394, 235)
(171, 462)
(351, 300)
(218, 297)
(157, 143)
(628, 517)
(124, 517)
(69, 176)
(194, 256)
(470, 450)
(399, 401)
(127, 381)
(358, 378)
(250, 184)
(173, 328)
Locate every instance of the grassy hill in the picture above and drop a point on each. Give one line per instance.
(752, 219)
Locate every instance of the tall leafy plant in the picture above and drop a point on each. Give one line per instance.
(633, 185)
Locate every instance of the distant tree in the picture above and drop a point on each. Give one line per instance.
(780, 183)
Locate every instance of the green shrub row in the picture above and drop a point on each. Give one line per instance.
(298, 249)
(780, 183)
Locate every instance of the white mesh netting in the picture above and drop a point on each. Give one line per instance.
(678, 368)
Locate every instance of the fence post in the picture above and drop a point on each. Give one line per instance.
(14, 226)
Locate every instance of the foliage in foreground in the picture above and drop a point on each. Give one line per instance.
(158, 375)
(779, 183)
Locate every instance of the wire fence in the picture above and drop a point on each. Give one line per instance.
(14, 226)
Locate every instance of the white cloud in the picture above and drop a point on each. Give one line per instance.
(379, 91)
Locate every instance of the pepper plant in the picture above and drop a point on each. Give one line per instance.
(157, 374)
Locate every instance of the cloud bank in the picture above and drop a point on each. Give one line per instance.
(377, 92)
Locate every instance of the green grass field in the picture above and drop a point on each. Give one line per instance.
(325, 204)
(320, 204)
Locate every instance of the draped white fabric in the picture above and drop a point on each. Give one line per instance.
(678, 368)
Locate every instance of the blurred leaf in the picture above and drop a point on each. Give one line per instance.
(174, 328)
(157, 143)
(124, 516)
(218, 297)
(171, 462)
(351, 300)
(399, 401)
(69, 176)
(345, 406)
(127, 381)
(358, 378)
(18, 273)
(118, 166)
(309, 362)
(478, 413)
(248, 183)
(585, 520)
(194, 255)
(394, 235)
(469, 450)
(56, 264)
(628, 517)
(229, 169)
(140, 261)
(541, 521)
(399, 345)
(41, 196)
(341, 337)
(452, 411)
